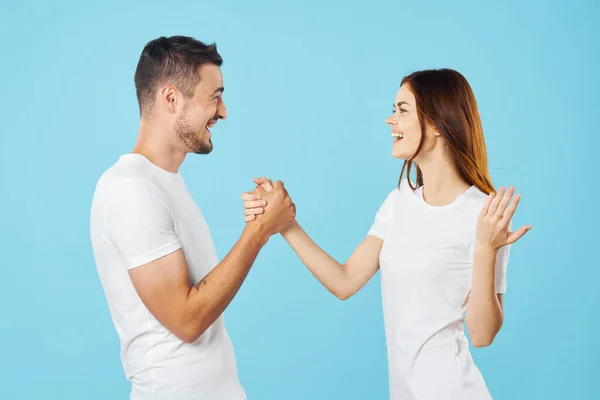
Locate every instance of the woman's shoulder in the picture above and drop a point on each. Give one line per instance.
(475, 199)
(477, 194)
(407, 188)
(402, 191)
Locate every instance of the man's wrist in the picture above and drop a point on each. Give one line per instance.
(257, 231)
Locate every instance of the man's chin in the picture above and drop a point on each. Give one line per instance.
(204, 148)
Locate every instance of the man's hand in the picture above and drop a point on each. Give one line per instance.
(272, 202)
(264, 183)
(253, 201)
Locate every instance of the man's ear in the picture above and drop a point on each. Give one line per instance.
(169, 98)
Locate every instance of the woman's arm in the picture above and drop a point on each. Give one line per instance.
(485, 308)
(341, 280)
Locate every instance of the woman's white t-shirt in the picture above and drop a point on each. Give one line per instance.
(426, 268)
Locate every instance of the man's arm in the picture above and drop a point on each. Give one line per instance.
(163, 286)
(137, 222)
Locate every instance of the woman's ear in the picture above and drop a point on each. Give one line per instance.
(433, 131)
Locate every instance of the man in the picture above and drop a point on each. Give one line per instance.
(165, 289)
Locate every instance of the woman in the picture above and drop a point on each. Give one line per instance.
(442, 245)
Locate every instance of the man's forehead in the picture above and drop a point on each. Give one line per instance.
(211, 77)
(210, 72)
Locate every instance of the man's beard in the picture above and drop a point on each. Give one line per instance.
(187, 134)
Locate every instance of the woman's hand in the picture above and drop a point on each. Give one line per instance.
(253, 203)
(494, 219)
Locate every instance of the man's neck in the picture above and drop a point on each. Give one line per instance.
(153, 144)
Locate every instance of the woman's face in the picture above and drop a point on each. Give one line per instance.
(406, 129)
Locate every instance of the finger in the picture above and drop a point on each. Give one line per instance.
(254, 211)
(486, 206)
(249, 218)
(504, 202)
(255, 204)
(496, 201)
(265, 183)
(268, 186)
(260, 180)
(510, 211)
(259, 190)
(278, 185)
(518, 234)
(249, 196)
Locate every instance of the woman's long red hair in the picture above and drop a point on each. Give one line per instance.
(446, 102)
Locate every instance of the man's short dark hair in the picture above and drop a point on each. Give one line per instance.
(174, 60)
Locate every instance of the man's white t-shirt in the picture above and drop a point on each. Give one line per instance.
(426, 266)
(140, 213)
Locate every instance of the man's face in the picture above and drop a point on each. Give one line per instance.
(202, 111)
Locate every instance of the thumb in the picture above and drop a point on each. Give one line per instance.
(518, 234)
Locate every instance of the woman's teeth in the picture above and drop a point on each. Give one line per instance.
(397, 136)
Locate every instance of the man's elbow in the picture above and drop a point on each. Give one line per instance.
(187, 337)
(189, 334)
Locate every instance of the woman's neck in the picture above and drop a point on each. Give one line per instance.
(442, 181)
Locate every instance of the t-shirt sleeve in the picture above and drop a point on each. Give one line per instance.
(501, 265)
(382, 219)
(138, 221)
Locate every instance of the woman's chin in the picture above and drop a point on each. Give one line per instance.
(400, 155)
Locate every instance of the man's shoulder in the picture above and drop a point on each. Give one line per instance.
(125, 175)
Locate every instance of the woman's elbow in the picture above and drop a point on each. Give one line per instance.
(479, 343)
(482, 340)
(482, 334)
(343, 294)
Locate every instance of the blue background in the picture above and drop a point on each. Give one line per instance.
(308, 87)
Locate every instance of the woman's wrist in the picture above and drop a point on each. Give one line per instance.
(290, 228)
(485, 253)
